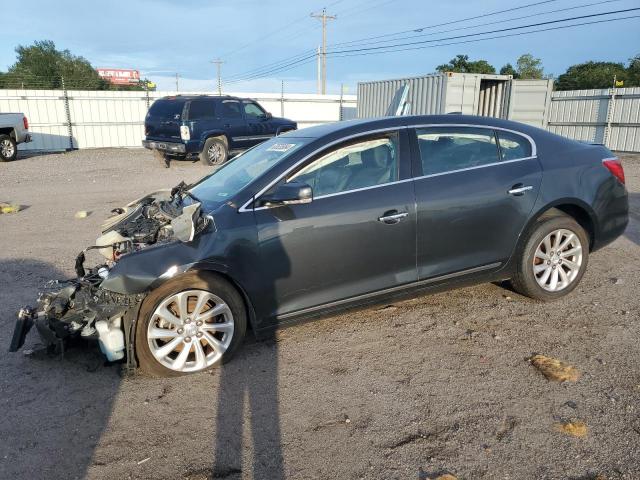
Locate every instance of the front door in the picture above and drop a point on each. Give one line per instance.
(475, 190)
(357, 236)
(261, 125)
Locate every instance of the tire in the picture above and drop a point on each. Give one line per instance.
(531, 278)
(8, 149)
(219, 294)
(215, 151)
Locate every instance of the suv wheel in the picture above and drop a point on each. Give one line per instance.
(188, 325)
(8, 149)
(553, 260)
(214, 152)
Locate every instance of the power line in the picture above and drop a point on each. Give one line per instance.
(489, 32)
(280, 63)
(378, 51)
(469, 27)
(486, 38)
(475, 17)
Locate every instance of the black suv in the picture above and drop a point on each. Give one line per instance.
(211, 127)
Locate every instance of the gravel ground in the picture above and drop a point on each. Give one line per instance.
(426, 386)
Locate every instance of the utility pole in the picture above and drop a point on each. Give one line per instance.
(177, 84)
(218, 64)
(323, 17)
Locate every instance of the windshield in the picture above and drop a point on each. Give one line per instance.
(240, 171)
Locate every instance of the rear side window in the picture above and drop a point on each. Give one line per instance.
(167, 109)
(513, 146)
(445, 149)
(201, 109)
(231, 109)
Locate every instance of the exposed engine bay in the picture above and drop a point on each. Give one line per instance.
(80, 307)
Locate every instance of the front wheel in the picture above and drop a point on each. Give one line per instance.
(553, 259)
(189, 325)
(8, 149)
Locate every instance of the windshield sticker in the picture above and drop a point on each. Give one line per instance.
(281, 147)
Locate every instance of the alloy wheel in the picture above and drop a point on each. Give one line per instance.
(7, 149)
(557, 260)
(215, 153)
(190, 331)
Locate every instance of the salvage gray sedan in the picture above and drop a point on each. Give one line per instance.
(334, 217)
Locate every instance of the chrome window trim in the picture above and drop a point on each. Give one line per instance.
(534, 148)
(244, 209)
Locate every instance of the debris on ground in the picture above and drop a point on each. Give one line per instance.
(144, 460)
(9, 208)
(555, 369)
(576, 428)
(617, 281)
(81, 214)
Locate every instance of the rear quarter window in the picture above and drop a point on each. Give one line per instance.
(513, 146)
(167, 108)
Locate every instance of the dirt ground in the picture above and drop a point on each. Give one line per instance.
(408, 391)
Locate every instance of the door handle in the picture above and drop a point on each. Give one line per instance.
(391, 218)
(519, 190)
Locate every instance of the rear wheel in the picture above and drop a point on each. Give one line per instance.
(215, 152)
(8, 148)
(189, 325)
(553, 259)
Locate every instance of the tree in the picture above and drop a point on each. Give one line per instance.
(461, 64)
(594, 75)
(509, 70)
(529, 67)
(42, 66)
(633, 72)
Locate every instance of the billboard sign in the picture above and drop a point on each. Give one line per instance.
(119, 76)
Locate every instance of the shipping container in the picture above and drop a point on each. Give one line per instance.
(468, 93)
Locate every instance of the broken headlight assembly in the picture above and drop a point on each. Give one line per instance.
(79, 307)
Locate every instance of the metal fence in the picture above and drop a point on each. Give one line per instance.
(608, 116)
(62, 120)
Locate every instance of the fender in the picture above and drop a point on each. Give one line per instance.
(218, 132)
(560, 204)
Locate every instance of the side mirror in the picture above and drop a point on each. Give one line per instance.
(293, 193)
(268, 116)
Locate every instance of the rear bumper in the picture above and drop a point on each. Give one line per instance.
(167, 147)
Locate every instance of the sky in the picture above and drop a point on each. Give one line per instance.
(164, 37)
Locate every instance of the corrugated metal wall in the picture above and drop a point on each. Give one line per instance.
(609, 116)
(116, 119)
(426, 95)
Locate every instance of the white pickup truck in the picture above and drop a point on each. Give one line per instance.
(14, 129)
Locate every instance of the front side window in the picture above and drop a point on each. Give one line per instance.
(360, 164)
(201, 109)
(445, 149)
(513, 146)
(231, 109)
(251, 110)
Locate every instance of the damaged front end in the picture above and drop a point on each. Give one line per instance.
(82, 307)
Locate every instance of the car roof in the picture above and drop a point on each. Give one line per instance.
(193, 97)
(363, 125)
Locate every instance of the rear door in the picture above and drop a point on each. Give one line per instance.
(475, 190)
(357, 236)
(164, 118)
(201, 116)
(261, 127)
(234, 123)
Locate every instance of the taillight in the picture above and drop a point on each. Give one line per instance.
(25, 122)
(614, 165)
